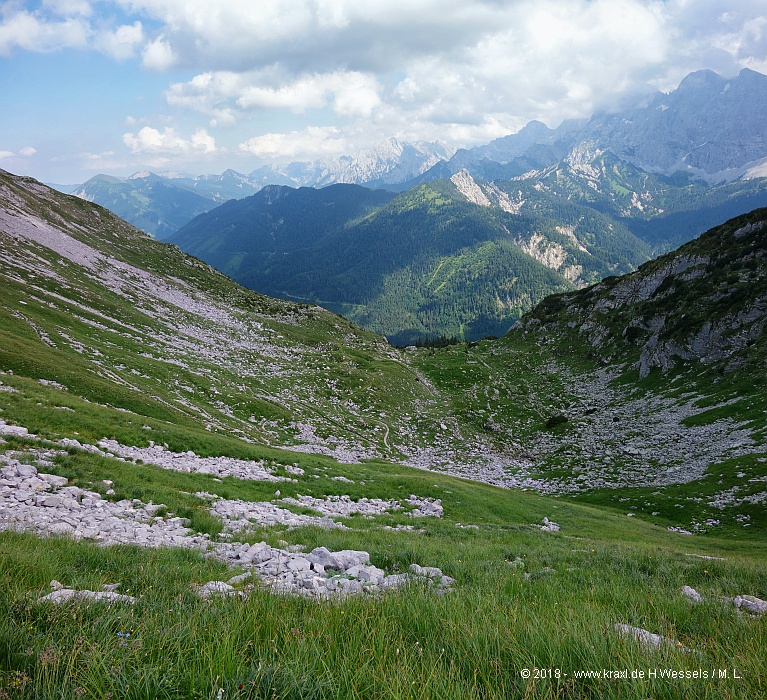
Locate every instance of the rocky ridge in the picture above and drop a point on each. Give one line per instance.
(386, 163)
(706, 302)
(709, 127)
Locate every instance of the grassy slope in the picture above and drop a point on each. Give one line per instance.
(471, 643)
(517, 390)
(572, 361)
(221, 356)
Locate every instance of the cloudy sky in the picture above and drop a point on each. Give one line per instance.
(199, 86)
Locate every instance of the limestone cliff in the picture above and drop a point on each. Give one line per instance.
(706, 302)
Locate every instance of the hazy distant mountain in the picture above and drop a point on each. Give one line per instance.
(387, 163)
(710, 127)
(160, 203)
(65, 189)
(221, 188)
(155, 204)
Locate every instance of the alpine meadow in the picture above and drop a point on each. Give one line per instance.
(383, 418)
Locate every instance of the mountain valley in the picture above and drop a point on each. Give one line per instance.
(234, 437)
(456, 258)
(128, 322)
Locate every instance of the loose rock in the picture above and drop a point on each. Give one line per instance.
(752, 604)
(549, 526)
(63, 595)
(648, 639)
(692, 594)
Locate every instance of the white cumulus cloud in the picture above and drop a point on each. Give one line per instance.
(121, 43)
(350, 94)
(319, 34)
(308, 143)
(225, 95)
(24, 30)
(97, 156)
(158, 54)
(463, 71)
(26, 152)
(151, 140)
(558, 61)
(63, 8)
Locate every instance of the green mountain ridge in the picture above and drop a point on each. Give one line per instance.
(423, 263)
(458, 258)
(663, 211)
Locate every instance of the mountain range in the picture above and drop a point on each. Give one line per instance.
(424, 263)
(462, 243)
(459, 257)
(710, 129)
(160, 203)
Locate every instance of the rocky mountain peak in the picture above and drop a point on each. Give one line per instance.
(698, 80)
(711, 127)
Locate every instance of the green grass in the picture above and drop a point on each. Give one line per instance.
(473, 642)
(599, 570)
(127, 379)
(691, 501)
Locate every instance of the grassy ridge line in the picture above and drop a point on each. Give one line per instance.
(323, 370)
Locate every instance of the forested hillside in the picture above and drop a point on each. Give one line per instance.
(425, 263)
